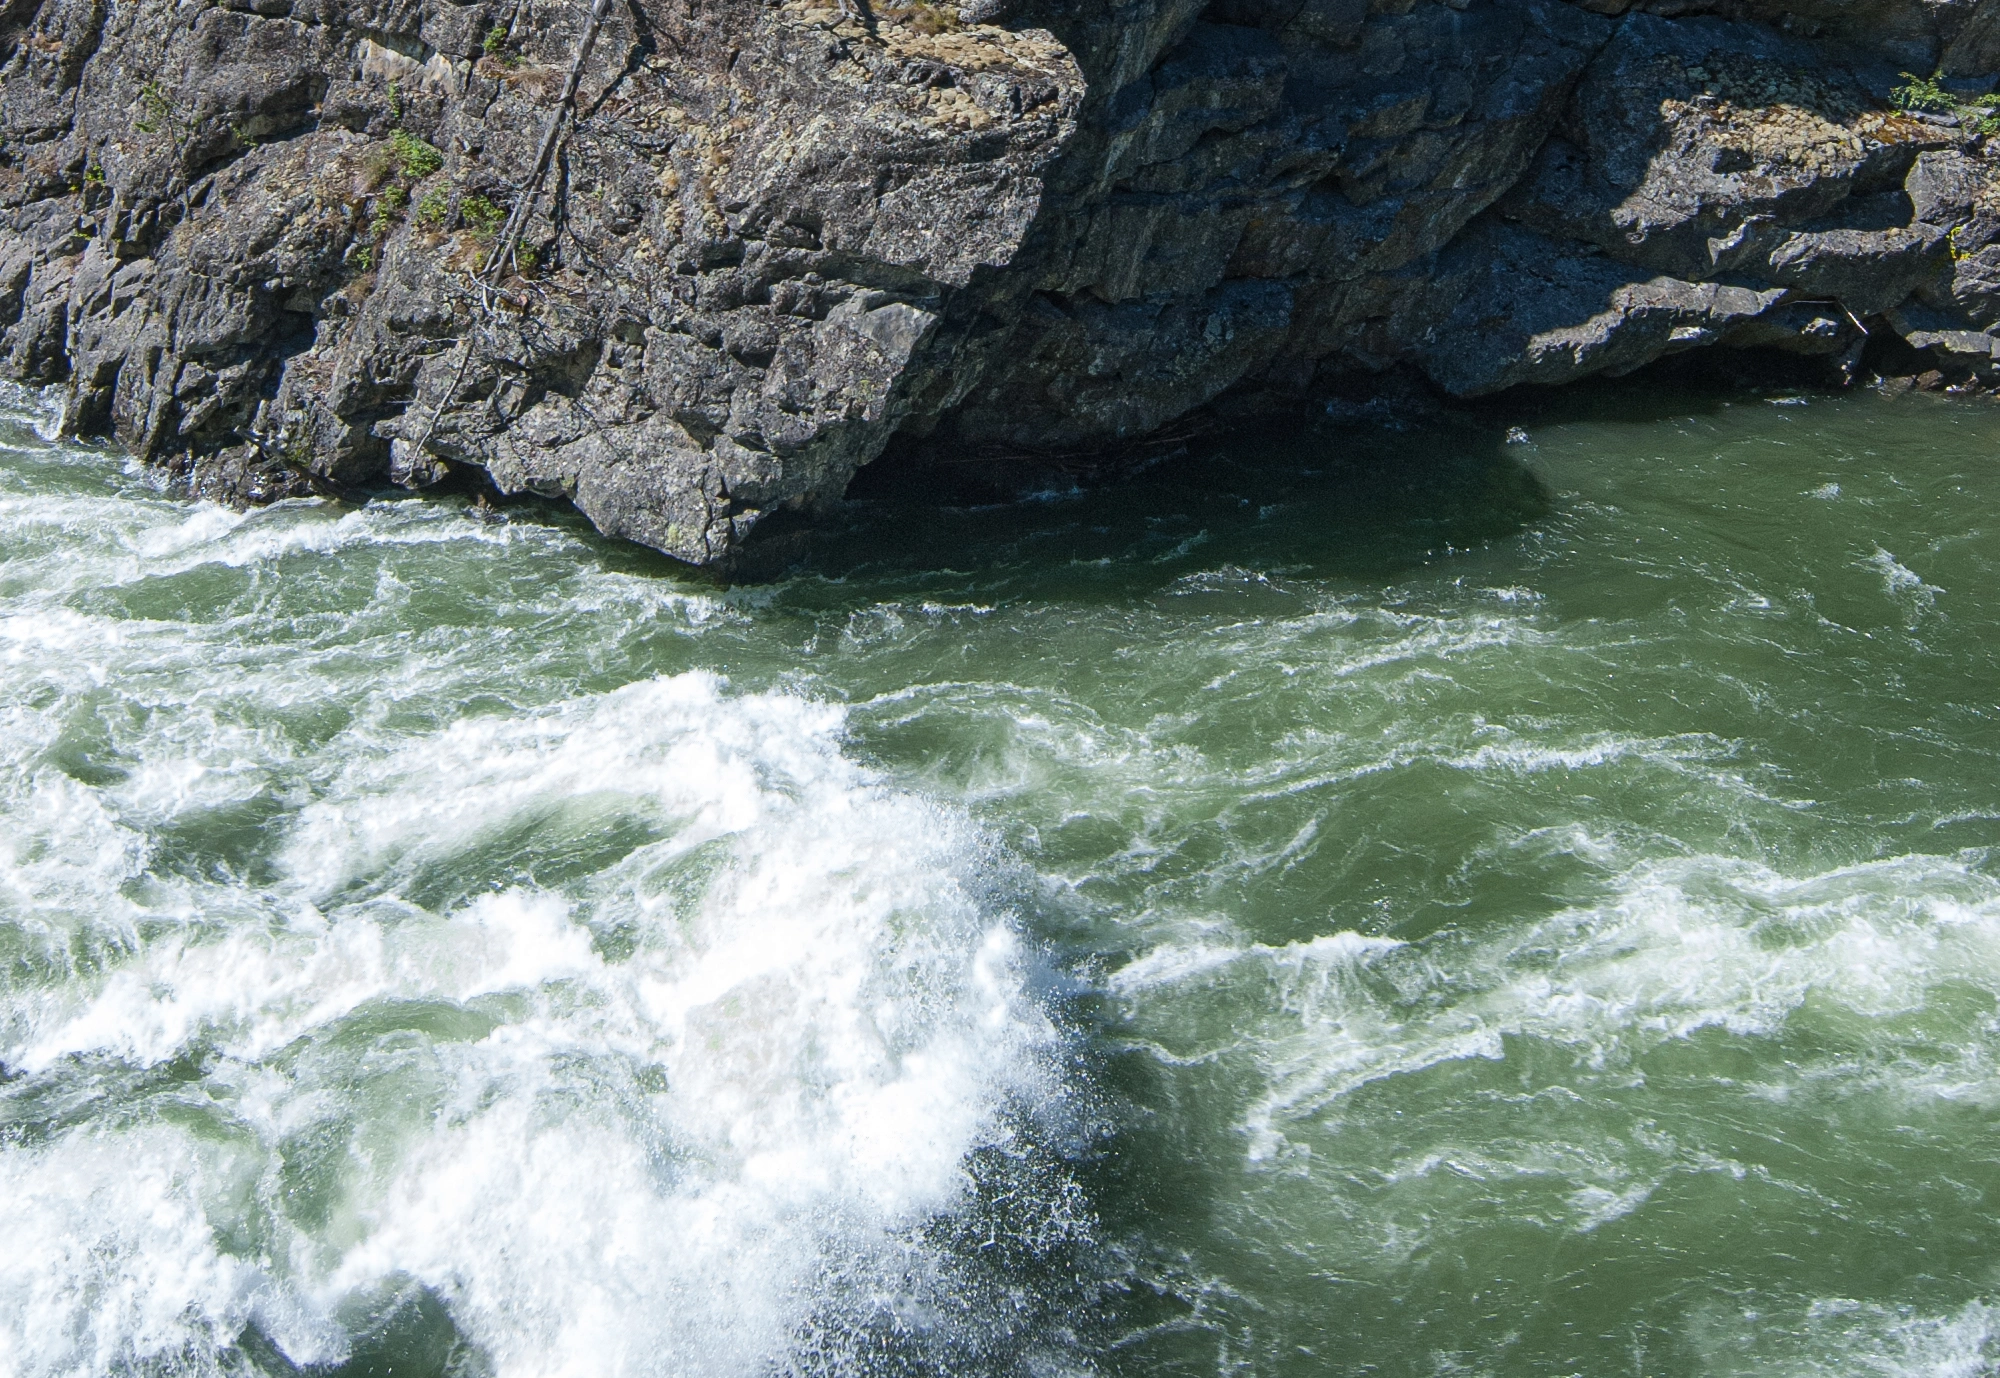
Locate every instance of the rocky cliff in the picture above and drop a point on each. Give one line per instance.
(252, 237)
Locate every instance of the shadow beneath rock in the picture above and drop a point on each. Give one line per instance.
(1697, 383)
(1369, 497)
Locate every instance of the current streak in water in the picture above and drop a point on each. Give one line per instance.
(1423, 902)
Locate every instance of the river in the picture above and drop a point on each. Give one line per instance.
(1514, 894)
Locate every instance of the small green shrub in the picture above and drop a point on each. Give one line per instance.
(496, 39)
(432, 208)
(1922, 93)
(415, 159)
(387, 207)
(483, 216)
(922, 16)
(159, 110)
(1980, 115)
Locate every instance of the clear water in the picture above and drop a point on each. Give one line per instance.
(1405, 902)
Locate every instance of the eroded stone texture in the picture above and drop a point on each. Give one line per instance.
(1711, 183)
(247, 236)
(1226, 211)
(761, 223)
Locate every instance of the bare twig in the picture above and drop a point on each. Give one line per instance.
(444, 400)
(458, 375)
(524, 204)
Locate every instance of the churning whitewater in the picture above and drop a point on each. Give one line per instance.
(347, 960)
(1513, 895)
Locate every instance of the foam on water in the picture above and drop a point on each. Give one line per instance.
(457, 946)
(39, 409)
(637, 1028)
(621, 1163)
(1840, 1335)
(1679, 946)
(1905, 587)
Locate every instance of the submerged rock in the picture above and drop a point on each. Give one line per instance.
(250, 238)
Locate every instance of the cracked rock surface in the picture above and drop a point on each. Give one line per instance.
(247, 236)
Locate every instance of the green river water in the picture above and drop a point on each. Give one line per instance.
(1512, 895)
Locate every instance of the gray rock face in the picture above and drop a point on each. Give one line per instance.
(248, 237)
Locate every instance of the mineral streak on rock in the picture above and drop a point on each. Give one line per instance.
(246, 235)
